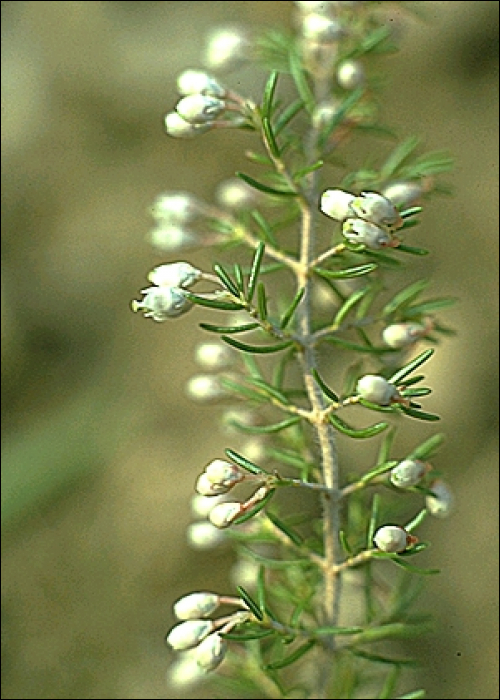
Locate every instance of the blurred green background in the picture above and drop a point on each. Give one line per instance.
(100, 446)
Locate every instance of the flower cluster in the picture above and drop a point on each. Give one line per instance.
(369, 219)
(204, 104)
(202, 636)
(167, 298)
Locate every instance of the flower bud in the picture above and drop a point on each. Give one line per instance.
(204, 535)
(200, 109)
(375, 208)
(400, 335)
(376, 389)
(403, 193)
(322, 116)
(221, 472)
(179, 128)
(211, 652)
(196, 605)
(391, 538)
(175, 207)
(370, 235)
(169, 238)
(336, 204)
(177, 274)
(235, 194)
(442, 502)
(205, 388)
(187, 635)
(408, 473)
(162, 303)
(223, 514)
(319, 28)
(198, 82)
(226, 48)
(205, 487)
(184, 672)
(350, 74)
(214, 356)
(201, 505)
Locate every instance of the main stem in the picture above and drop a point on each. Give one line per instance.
(325, 432)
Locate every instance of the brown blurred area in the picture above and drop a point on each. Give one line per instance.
(100, 445)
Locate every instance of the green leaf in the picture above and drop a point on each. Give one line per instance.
(398, 156)
(411, 250)
(269, 389)
(256, 349)
(300, 79)
(238, 276)
(254, 271)
(303, 172)
(250, 603)
(426, 449)
(397, 377)
(229, 329)
(226, 280)
(421, 415)
(349, 304)
(413, 695)
(291, 658)
(324, 387)
(347, 273)
(291, 534)
(417, 521)
(375, 406)
(266, 429)
(337, 631)
(377, 658)
(361, 433)
(372, 523)
(265, 228)
(268, 95)
(405, 297)
(212, 303)
(345, 544)
(262, 301)
(415, 569)
(270, 138)
(244, 462)
(287, 316)
(350, 345)
(287, 115)
(258, 633)
(347, 104)
(430, 306)
(265, 188)
(377, 471)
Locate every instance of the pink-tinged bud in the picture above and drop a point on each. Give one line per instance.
(392, 539)
(403, 193)
(196, 605)
(177, 274)
(400, 335)
(214, 356)
(376, 389)
(224, 473)
(162, 303)
(206, 487)
(187, 635)
(194, 82)
(350, 74)
(408, 473)
(223, 514)
(179, 128)
(364, 232)
(203, 535)
(375, 208)
(211, 652)
(336, 204)
(200, 109)
(441, 504)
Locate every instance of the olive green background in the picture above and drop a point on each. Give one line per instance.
(101, 447)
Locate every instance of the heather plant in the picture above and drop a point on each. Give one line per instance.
(316, 345)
